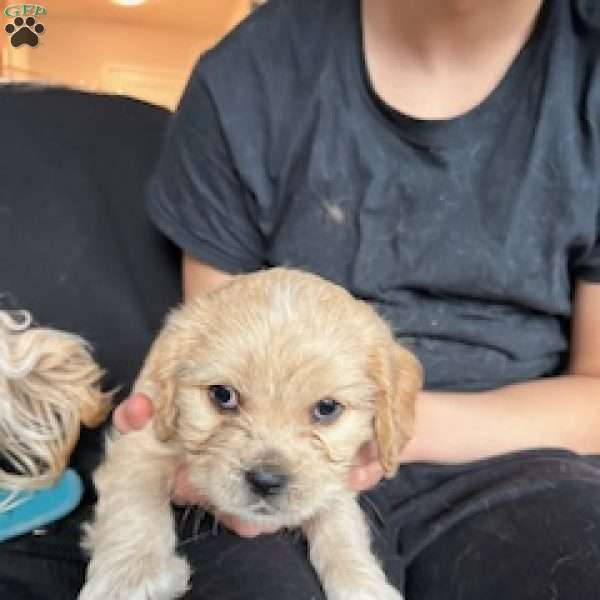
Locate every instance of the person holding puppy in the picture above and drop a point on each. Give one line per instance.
(438, 159)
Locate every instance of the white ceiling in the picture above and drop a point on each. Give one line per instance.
(206, 16)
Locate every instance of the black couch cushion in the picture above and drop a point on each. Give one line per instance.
(76, 246)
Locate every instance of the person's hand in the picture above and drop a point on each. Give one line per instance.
(135, 412)
(367, 471)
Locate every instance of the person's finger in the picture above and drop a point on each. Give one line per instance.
(183, 492)
(119, 419)
(245, 529)
(367, 470)
(133, 413)
(365, 477)
(241, 528)
(367, 454)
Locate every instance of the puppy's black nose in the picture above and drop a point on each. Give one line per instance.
(266, 480)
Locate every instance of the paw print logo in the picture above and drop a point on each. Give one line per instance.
(24, 31)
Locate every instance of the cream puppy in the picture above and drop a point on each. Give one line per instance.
(266, 389)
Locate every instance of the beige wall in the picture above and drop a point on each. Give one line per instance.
(148, 62)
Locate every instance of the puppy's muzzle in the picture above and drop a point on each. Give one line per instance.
(266, 480)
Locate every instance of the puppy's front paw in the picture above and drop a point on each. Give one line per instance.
(375, 592)
(136, 581)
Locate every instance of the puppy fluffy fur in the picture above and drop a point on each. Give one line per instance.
(48, 386)
(281, 341)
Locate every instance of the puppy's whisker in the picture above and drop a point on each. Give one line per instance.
(199, 516)
(322, 444)
(184, 517)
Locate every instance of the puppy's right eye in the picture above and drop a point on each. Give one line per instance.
(224, 397)
(326, 410)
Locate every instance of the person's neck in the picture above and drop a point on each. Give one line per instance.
(436, 59)
(432, 31)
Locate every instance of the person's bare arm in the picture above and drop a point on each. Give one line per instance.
(560, 412)
(198, 277)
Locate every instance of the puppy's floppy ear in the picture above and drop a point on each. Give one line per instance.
(157, 380)
(166, 413)
(398, 377)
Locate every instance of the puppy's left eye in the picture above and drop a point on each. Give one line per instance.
(224, 397)
(326, 410)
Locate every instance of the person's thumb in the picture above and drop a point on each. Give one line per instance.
(133, 413)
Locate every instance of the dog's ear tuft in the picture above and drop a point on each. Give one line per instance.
(398, 376)
(166, 413)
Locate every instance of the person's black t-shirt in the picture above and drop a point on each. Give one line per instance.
(466, 234)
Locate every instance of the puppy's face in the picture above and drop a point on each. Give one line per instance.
(271, 385)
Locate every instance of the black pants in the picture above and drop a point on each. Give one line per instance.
(524, 526)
